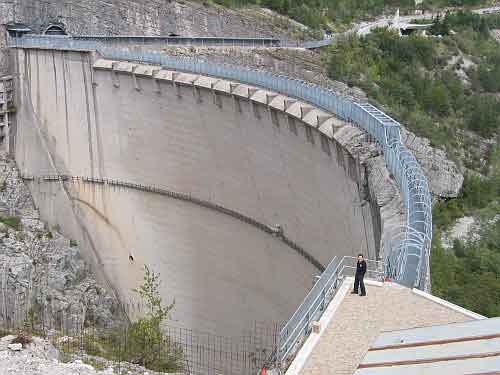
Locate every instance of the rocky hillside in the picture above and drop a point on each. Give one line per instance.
(147, 17)
(44, 280)
(40, 356)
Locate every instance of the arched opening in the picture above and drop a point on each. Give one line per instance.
(55, 29)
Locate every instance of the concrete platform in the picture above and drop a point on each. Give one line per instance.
(358, 321)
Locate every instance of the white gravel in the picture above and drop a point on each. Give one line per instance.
(40, 357)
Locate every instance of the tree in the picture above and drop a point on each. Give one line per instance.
(147, 345)
(484, 115)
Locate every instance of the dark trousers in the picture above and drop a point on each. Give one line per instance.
(358, 281)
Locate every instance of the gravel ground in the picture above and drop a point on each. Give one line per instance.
(38, 358)
(42, 358)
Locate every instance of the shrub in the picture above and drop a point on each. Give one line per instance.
(22, 338)
(12, 221)
(143, 342)
(147, 345)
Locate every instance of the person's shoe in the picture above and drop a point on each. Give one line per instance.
(362, 295)
(353, 292)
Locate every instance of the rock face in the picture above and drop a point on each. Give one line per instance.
(40, 357)
(380, 191)
(43, 278)
(445, 180)
(295, 63)
(460, 231)
(496, 34)
(144, 17)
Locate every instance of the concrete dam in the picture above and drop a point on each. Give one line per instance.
(236, 195)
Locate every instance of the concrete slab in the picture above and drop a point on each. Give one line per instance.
(145, 70)
(359, 320)
(472, 366)
(205, 82)
(241, 91)
(222, 86)
(124, 67)
(103, 64)
(164, 75)
(185, 78)
(483, 327)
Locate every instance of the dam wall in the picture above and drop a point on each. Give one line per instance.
(266, 156)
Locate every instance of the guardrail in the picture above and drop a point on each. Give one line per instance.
(298, 327)
(125, 41)
(406, 254)
(274, 230)
(178, 40)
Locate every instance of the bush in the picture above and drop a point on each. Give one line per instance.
(12, 221)
(143, 342)
(147, 345)
(22, 338)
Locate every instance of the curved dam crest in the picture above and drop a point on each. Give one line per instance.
(266, 156)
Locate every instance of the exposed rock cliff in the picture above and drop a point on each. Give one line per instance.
(144, 17)
(43, 277)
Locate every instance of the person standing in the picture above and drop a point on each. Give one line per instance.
(360, 274)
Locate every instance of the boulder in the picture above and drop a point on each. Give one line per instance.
(15, 347)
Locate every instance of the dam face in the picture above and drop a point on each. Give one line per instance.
(116, 121)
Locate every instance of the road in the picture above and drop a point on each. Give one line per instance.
(365, 28)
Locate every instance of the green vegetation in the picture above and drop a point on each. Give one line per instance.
(143, 342)
(12, 221)
(447, 89)
(325, 13)
(94, 363)
(424, 81)
(145, 337)
(468, 274)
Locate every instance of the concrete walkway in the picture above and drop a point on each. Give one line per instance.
(359, 320)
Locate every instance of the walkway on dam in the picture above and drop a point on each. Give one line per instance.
(359, 320)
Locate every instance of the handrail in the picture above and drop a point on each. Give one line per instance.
(402, 165)
(270, 229)
(406, 254)
(298, 326)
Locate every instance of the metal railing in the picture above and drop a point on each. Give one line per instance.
(406, 253)
(273, 230)
(298, 327)
(126, 41)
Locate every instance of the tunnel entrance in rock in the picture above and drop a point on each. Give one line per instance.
(55, 29)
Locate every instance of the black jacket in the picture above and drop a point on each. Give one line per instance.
(361, 268)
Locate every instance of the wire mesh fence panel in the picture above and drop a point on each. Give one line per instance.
(177, 349)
